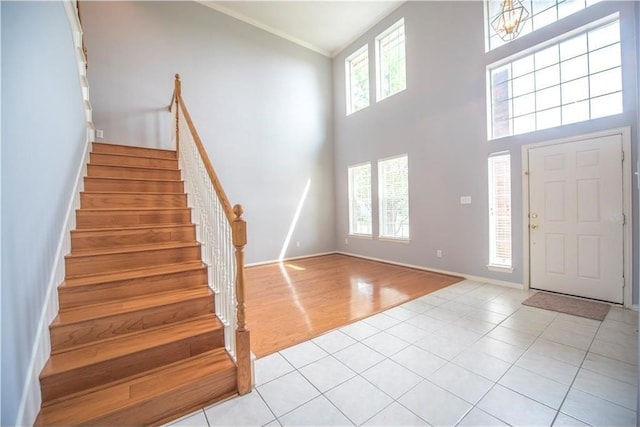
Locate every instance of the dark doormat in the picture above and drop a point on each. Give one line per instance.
(564, 304)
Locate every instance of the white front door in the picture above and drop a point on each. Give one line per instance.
(576, 220)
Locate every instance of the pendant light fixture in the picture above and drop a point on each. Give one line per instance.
(509, 22)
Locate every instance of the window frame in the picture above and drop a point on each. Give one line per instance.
(498, 263)
(533, 14)
(379, 60)
(382, 198)
(349, 77)
(350, 195)
(540, 47)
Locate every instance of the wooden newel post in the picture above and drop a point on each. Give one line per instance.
(177, 94)
(243, 348)
(178, 87)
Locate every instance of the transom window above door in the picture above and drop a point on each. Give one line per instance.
(537, 14)
(575, 78)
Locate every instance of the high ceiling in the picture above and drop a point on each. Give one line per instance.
(326, 27)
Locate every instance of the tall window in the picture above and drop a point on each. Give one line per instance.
(360, 199)
(390, 58)
(500, 210)
(576, 79)
(357, 72)
(393, 194)
(542, 13)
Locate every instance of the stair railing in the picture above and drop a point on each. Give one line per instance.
(221, 231)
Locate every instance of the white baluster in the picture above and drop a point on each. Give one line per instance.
(213, 231)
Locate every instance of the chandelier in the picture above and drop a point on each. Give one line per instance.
(509, 22)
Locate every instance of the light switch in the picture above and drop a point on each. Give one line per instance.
(465, 200)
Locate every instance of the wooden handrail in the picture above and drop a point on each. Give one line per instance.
(177, 97)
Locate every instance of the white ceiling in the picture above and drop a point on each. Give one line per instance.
(326, 27)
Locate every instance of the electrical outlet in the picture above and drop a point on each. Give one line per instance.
(439, 253)
(346, 241)
(465, 200)
(99, 133)
(298, 244)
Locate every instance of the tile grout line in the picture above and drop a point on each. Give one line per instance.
(564, 399)
(539, 336)
(206, 417)
(496, 382)
(448, 360)
(359, 374)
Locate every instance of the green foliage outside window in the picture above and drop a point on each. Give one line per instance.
(391, 61)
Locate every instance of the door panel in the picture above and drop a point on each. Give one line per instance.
(575, 218)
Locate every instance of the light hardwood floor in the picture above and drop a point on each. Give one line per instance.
(291, 302)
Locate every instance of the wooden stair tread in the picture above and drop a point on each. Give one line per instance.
(130, 228)
(162, 198)
(134, 210)
(108, 349)
(128, 216)
(137, 193)
(104, 165)
(84, 239)
(107, 147)
(97, 170)
(87, 262)
(117, 178)
(130, 249)
(133, 185)
(130, 155)
(83, 408)
(95, 311)
(132, 274)
(116, 159)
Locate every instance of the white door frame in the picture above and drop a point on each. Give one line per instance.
(625, 132)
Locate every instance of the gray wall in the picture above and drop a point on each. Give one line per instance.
(440, 121)
(637, 185)
(262, 106)
(43, 136)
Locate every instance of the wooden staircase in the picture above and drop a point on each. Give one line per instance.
(136, 340)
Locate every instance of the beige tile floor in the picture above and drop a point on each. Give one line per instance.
(467, 355)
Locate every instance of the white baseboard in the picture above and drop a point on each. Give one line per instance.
(450, 273)
(490, 281)
(275, 261)
(31, 398)
(417, 267)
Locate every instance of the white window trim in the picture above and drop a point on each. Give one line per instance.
(495, 266)
(555, 40)
(362, 235)
(380, 36)
(499, 268)
(488, 30)
(539, 47)
(392, 238)
(347, 71)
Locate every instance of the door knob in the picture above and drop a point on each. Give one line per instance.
(534, 226)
